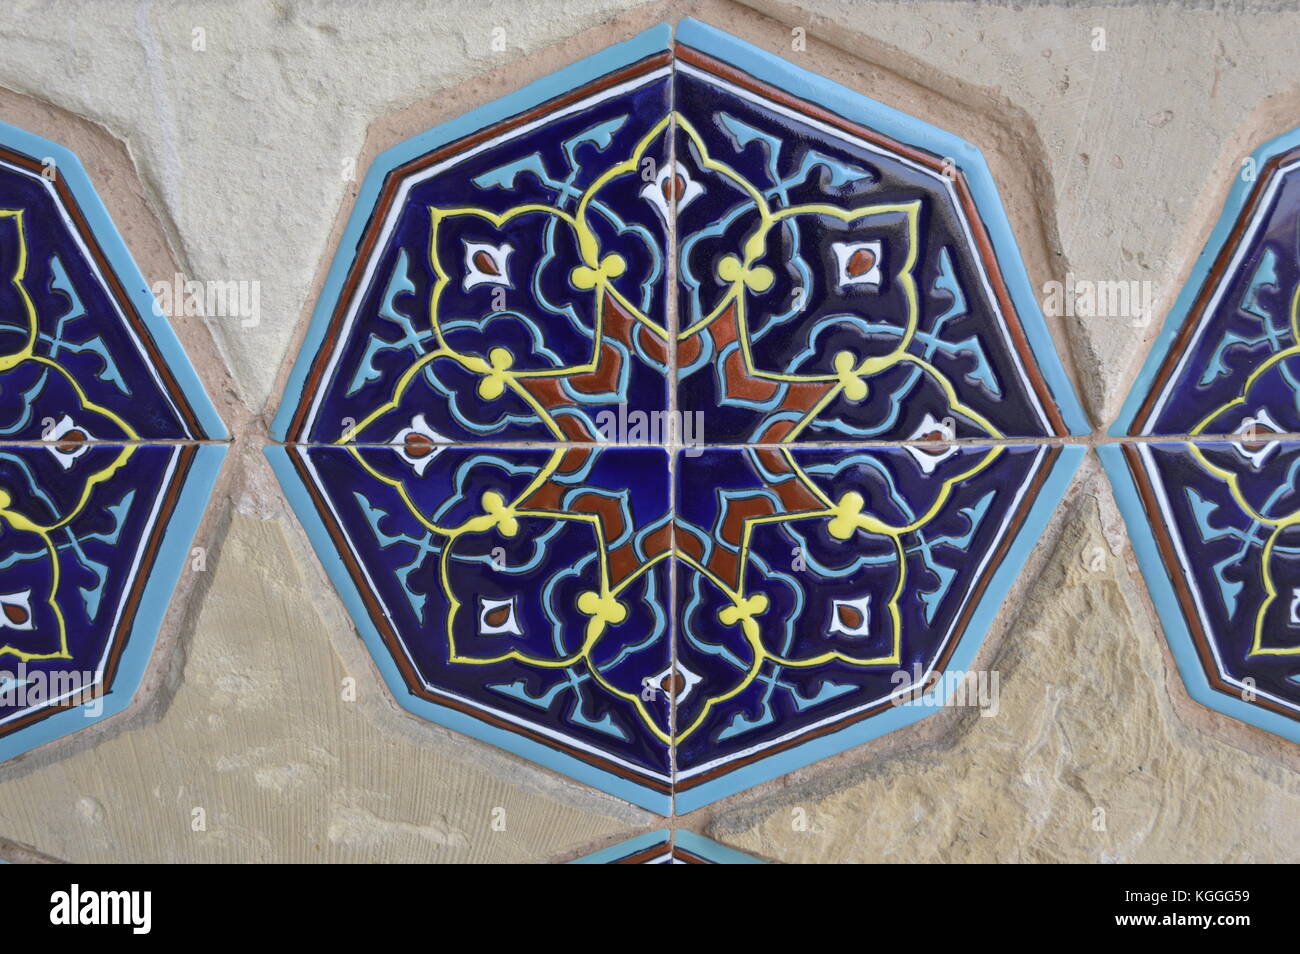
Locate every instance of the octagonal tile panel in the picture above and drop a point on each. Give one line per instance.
(812, 307)
(1211, 503)
(96, 518)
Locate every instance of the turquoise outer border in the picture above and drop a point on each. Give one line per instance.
(772, 766)
(69, 167)
(712, 851)
(806, 85)
(173, 557)
(1170, 612)
(611, 854)
(652, 41)
(1237, 197)
(299, 498)
(852, 105)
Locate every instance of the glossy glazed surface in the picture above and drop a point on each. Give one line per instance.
(808, 307)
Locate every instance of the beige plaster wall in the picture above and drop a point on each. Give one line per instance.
(240, 160)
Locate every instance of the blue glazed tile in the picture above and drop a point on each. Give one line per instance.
(92, 540)
(819, 589)
(1210, 522)
(652, 848)
(441, 390)
(82, 349)
(692, 849)
(508, 286)
(836, 283)
(95, 521)
(668, 848)
(527, 589)
(1211, 513)
(1223, 520)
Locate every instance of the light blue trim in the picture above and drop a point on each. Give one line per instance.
(854, 106)
(624, 848)
(712, 851)
(990, 603)
(172, 559)
(655, 40)
(69, 168)
(296, 491)
(1170, 611)
(1232, 209)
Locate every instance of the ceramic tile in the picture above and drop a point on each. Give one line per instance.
(92, 540)
(95, 522)
(82, 348)
(526, 588)
(668, 848)
(1211, 519)
(1228, 357)
(508, 285)
(1224, 538)
(818, 590)
(458, 407)
(836, 283)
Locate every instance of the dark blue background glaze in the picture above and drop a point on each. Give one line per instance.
(782, 699)
(812, 167)
(79, 328)
(403, 561)
(404, 279)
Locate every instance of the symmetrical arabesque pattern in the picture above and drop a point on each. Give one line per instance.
(1216, 519)
(810, 303)
(95, 521)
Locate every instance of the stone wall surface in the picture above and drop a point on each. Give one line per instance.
(1113, 164)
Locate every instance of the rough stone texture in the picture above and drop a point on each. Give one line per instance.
(239, 161)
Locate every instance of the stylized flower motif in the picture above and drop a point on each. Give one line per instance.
(496, 617)
(418, 444)
(1256, 446)
(68, 441)
(859, 263)
(938, 446)
(671, 190)
(851, 617)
